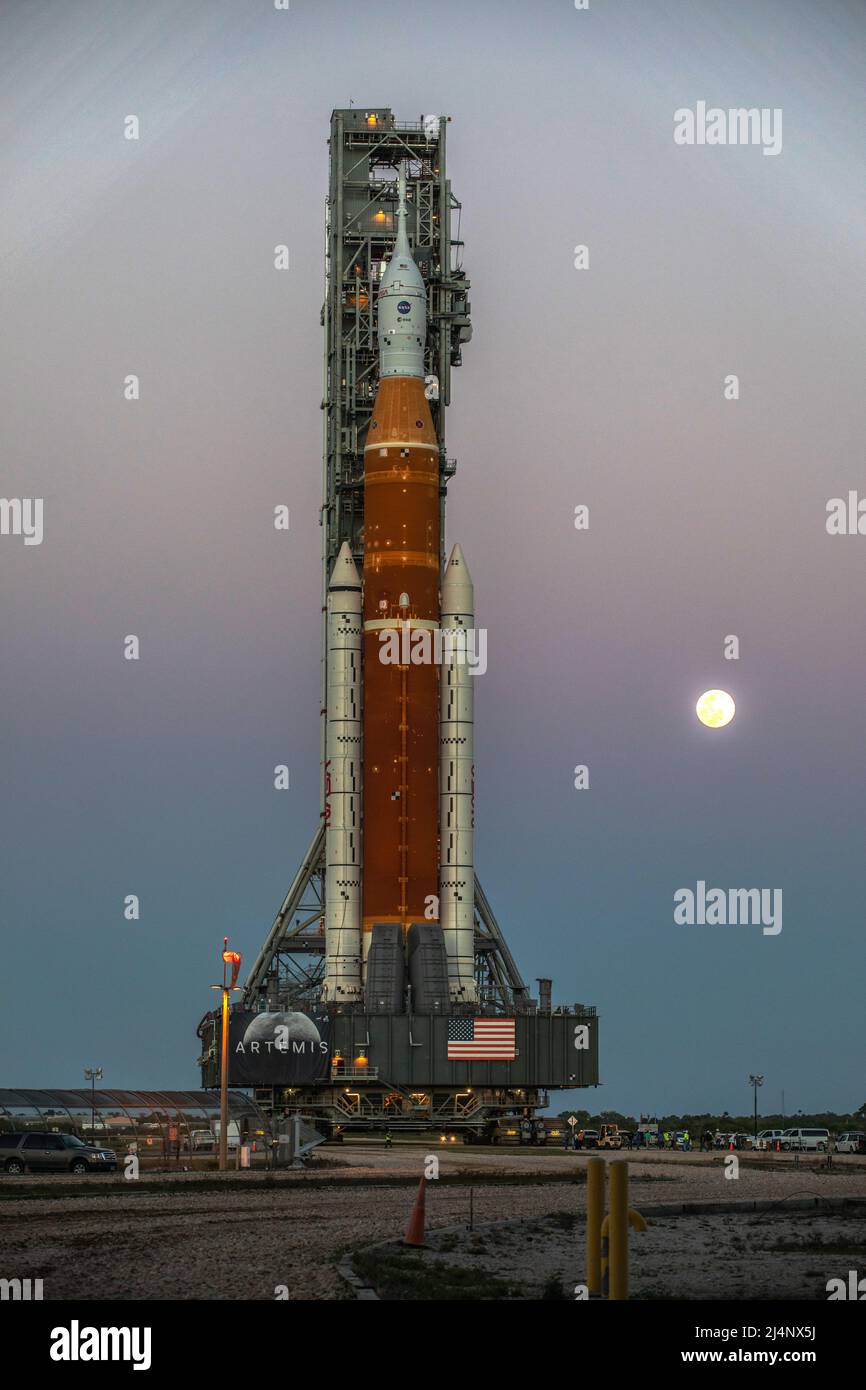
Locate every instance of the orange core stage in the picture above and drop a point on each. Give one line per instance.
(401, 698)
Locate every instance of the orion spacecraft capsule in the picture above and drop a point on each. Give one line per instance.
(399, 776)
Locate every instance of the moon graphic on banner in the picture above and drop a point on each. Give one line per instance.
(263, 1028)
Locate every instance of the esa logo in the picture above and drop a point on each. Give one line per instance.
(404, 307)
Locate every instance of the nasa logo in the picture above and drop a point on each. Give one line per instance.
(404, 307)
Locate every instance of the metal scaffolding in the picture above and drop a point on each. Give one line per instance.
(366, 149)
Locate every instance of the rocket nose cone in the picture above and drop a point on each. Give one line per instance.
(457, 587)
(345, 572)
(457, 563)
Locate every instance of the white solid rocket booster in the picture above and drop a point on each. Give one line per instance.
(343, 773)
(457, 781)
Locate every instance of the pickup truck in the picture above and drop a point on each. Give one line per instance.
(768, 1138)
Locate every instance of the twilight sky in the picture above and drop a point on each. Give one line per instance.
(602, 387)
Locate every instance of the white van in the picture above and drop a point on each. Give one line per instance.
(806, 1140)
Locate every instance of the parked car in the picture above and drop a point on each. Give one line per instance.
(736, 1140)
(590, 1139)
(806, 1141)
(768, 1138)
(852, 1142)
(50, 1152)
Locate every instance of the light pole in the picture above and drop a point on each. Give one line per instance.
(755, 1082)
(92, 1074)
(233, 959)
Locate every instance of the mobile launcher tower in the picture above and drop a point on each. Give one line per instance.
(385, 994)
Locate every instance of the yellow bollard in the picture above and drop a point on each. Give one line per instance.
(637, 1223)
(618, 1230)
(635, 1220)
(595, 1171)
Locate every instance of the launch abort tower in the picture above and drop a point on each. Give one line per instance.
(385, 992)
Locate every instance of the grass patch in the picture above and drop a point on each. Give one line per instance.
(553, 1288)
(402, 1275)
(447, 1243)
(274, 1182)
(562, 1220)
(815, 1245)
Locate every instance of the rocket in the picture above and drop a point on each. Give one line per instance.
(401, 596)
(399, 773)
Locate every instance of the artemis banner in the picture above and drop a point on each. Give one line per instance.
(280, 1049)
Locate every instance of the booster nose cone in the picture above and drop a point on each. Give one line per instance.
(458, 593)
(345, 574)
(402, 304)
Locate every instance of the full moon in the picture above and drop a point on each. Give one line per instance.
(715, 708)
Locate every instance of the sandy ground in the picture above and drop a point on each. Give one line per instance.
(185, 1240)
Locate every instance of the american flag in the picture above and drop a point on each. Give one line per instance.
(481, 1040)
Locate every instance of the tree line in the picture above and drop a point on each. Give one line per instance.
(697, 1124)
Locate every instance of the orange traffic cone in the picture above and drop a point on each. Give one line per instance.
(415, 1229)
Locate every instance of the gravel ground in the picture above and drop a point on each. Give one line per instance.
(743, 1256)
(188, 1239)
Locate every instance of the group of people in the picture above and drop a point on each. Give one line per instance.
(666, 1139)
(669, 1140)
